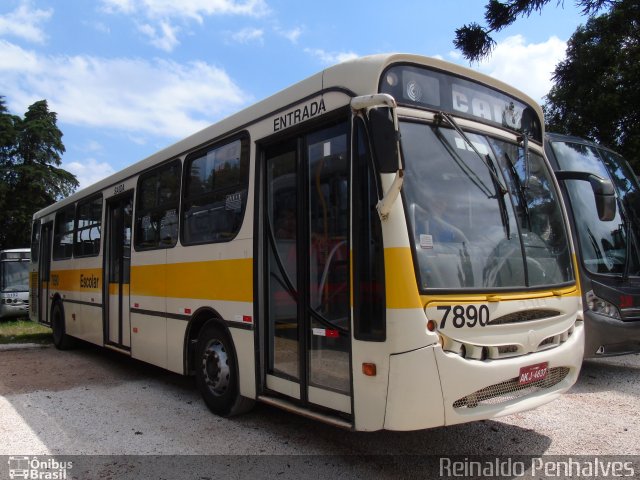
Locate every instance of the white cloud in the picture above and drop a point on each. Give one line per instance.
(88, 171)
(164, 37)
(194, 9)
(160, 15)
(331, 58)
(291, 35)
(526, 66)
(248, 35)
(139, 97)
(119, 6)
(92, 146)
(16, 59)
(24, 22)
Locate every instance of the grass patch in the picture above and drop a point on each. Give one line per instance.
(24, 331)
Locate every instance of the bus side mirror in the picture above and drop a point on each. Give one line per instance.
(602, 191)
(385, 139)
(379, 111)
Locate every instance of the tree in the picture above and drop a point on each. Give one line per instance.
(7, 141)
(475, 41)
(30, 156)
(596, 89)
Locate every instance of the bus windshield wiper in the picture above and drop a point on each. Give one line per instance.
(504, 213)
(501, 189)
(520, 189)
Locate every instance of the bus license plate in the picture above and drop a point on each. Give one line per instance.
(533, 373)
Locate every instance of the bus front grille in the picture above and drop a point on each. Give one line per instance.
(510, 390)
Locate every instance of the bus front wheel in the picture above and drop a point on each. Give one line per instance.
(61, 340)
(217, 372)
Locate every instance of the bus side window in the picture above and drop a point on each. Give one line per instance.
(35, 241)
(369, 289)
(157, 206)
(63, 237)
(88, 222)
(215, 193)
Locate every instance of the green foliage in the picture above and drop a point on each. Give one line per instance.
(475, 41)
(597, 87)
(24, 331)
(30, 176)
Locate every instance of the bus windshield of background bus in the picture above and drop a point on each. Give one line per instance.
(603, 245)
(15, 276)
(467, 233)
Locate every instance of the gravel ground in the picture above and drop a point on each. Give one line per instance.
(96, 402)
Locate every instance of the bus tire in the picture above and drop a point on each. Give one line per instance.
(61, 340)
(217, 372)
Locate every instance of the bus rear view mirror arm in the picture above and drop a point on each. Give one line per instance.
(379, 110)
(602, 190)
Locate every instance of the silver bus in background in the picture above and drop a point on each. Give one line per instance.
(14, 283)
(608, 255)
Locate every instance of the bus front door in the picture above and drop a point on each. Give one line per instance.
(117, 322)
(307, 282)
(46, 243)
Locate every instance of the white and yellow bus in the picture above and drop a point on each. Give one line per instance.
(380, 246)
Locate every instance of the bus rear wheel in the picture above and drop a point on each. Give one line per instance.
(217, 372)
(61, 340)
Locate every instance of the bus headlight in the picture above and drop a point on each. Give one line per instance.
(598, 305)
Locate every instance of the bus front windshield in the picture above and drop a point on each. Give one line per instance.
(15, 276)
(475, 219)
(603, 244)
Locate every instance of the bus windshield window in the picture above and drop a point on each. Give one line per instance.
(628, 190)
(469, 234)
(624, 180)
(15, 276)
(540, 217)
(603, 245)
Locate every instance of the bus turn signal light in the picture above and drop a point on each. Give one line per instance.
(369, 369)
(431, 325)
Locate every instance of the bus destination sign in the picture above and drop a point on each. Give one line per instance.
(415, 86)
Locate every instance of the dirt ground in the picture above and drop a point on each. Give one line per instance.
(92, 402)
(37, 369)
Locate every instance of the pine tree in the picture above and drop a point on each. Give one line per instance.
(30, 158)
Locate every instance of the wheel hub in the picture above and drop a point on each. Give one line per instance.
(215, 366)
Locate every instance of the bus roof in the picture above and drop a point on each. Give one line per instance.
(561, 137)
(359, 76)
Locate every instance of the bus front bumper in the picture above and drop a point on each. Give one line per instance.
(606, 336)
(458, 390)
(13, 311)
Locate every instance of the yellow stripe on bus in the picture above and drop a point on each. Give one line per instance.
(435, 300)
(402, 291)
(114, 289)
(77, 280)
(230, 280)
(400, 279)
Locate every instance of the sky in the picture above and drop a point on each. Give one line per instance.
(130, 77)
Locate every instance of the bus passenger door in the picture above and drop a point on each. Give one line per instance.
(46, 242)
(117, 322)
(307, 281)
